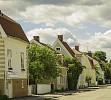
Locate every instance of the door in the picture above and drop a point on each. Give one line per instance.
(10, 89)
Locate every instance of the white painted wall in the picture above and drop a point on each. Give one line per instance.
(16, 46)
(43, 88)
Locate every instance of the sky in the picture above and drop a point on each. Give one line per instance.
(86, 23)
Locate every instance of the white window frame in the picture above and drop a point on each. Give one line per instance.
(9, 56)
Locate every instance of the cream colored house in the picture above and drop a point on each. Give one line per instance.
(61, 81)
(90, 69)
(82, 78)
(13, 58)
(63, 48)
(100, 72)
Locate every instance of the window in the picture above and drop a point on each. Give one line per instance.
(22, 60)
(9, 55)
(58, 49)
(22, 84)
(62, 79)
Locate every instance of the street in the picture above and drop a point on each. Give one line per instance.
(98, 94)
(103, 93)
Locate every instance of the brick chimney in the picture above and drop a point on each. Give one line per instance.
(77, 48)
(36, 38)
(60, 37)
(90, 53)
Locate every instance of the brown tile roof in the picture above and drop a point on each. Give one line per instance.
(12, 28)
(91, 63)
(68, 48)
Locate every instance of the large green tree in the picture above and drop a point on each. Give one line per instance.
(75, 69)
(100, 56)
(43, 63)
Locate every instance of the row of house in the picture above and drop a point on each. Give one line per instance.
(14, 60)
(86, 60)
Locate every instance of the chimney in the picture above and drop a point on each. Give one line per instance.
(60, 37)
(36, 38)
(77, 48)
(90, 53)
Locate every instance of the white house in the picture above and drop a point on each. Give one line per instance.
(61, 81)
(13, 58)
(62, 47)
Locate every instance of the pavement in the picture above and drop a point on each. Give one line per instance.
(90, 93)
(103, 93)
(29, 98)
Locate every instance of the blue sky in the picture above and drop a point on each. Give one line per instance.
(86, 23)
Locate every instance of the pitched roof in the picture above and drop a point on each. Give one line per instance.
(91, 61)
(12, 28)
(68, 48)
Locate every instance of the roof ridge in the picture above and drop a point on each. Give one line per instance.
(6, 17)
(12, 28)
(68, 48)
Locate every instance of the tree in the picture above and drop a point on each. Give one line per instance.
(75, 69)
(43, 63)
(100, 56)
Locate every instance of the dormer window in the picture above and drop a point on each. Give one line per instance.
(58, 49)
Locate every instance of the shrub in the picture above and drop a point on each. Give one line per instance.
(100, 81)
(4, 97)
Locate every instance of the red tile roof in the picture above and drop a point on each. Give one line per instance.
(12, 28)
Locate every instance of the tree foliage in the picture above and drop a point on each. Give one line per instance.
(43, 63)
(100, 56)
(75, 69)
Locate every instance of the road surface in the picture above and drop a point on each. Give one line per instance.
(97, 94)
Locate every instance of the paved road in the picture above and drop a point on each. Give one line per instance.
(29, 98)
(98, 94)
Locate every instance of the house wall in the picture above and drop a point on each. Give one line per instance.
(63, 49)
(62, 80)
(15, 85)
(88, 70)
(101, 73)
(19, 89)
(16, 47)
(1, 86)
(2, 65)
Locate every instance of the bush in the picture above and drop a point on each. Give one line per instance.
(4, 97)
(100, 81)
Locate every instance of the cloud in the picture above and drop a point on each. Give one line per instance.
(52, 12)
(49, 35)
(99, 41)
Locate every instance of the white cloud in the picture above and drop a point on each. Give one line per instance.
(50, 12)
(100, 41)
(49, 35)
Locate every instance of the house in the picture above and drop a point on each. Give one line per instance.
(61, 81)
(82, 78)
(63, 48)
(13, 58)
(99, 71)
(90, 69)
